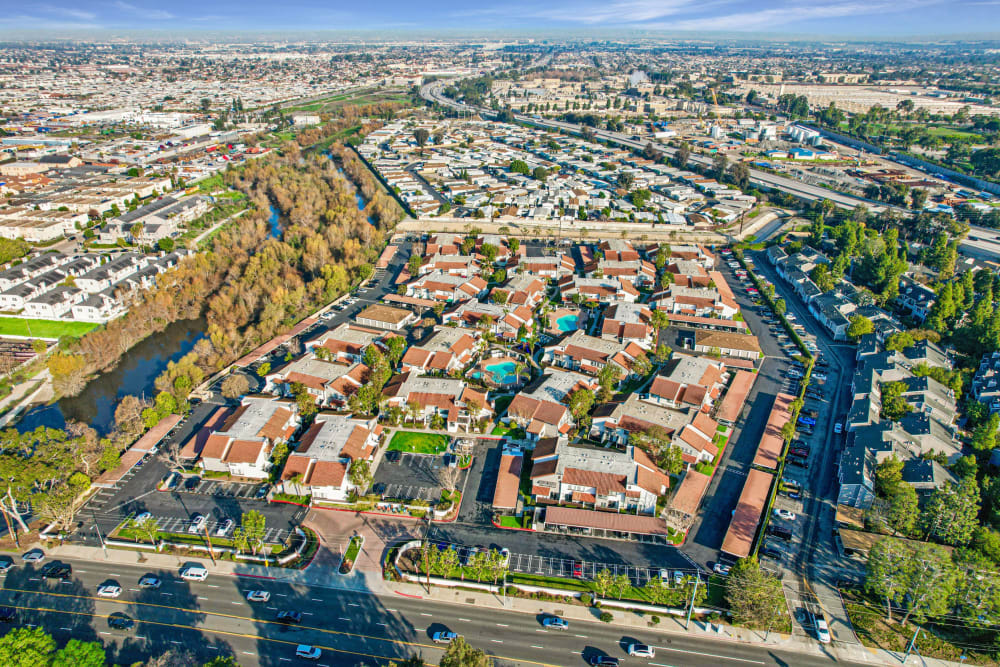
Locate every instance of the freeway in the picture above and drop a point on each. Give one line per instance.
(433, 92)
(214, 618)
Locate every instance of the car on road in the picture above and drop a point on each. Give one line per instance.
(6, 563)
(308, 652)
(258, 596)
(555, 623)
(57, 570)
(197, 523)
(444, 637)
(784, 514)
(33, 556)
(149, 581)
(641, 650)
(194, 573)
(224, 528)
(109, 590)
(8, 614)
(288, 616)
(603, 661)
(120, 621)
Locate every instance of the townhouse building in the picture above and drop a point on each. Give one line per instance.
(242, 446)
(320, 465)
(457, 404)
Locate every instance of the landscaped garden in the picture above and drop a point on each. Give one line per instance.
(418, 443)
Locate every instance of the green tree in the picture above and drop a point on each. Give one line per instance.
(888, 476)
(80, 654)
(460, 654)
(671, 459)
(932, 582)
(822, 277)
(780, 307)
(903, 509)
(603, 581)
(360, 475)
(889, 571)
(519, 167)
(950, 515)
(397, 347)
(625, 180)
(26, 647)
(413, 264)
(264, 369)
(977, 590)
(894, 405)
(754, 596)
(254, 527)
(860, 326)
(540, 174)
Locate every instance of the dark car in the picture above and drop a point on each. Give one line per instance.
(8, 614)
(771, 552)
(192, 483)
(6, 562)
(603, 661)
(120, 621)
(796, 461)
(58, 570)
(289, 617)
(393, 456)
(799, 451)
(779, 532)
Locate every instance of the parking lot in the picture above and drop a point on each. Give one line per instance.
(223, 488)
(410, 477)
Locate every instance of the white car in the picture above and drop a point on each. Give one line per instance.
(258, 596)
(822, 630)
(308, 652)
(838, 428)
(784, 514)
(34, 556)
(224, 528)
(143, 518)
(197, 522)
(109, 591)
(641, 650)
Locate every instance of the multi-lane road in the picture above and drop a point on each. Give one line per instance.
(213, 617)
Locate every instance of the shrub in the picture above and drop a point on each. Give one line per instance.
(606, 616)
(654, 619)
(586, 598)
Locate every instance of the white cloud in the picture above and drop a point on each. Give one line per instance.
(777, 17)
(70, 12)
(142, 12)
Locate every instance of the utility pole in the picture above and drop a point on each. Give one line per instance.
(697, 580)
(10, 528)
(208, 538)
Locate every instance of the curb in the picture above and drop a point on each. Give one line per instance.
(523, 530)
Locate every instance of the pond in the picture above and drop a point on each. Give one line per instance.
(134, 374)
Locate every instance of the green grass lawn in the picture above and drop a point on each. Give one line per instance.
(16, 326)
(418, 443)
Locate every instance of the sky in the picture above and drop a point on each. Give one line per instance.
(792, 18)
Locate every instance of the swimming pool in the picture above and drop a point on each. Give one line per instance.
(567, 323)
(504, 372)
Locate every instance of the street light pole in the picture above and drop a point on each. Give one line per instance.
(911, 645)
(101, 538)
(697, 580)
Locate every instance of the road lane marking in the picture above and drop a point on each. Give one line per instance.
(497, 641)
(231, 602)
(582, 636)
(424, 614)
(211, 585)
(316, 600)
(536, 646)
(352, 604)
(342, 618)
(200, 628)
(248, 653)
(503, 625)
(466, 620)
(710, 655)
(65, 628)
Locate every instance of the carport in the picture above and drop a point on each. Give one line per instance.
(137, 452)
(605, 524)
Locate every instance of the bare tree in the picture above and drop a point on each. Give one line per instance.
(235, 385)
(448, 477)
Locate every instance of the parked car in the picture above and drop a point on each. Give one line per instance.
(142, 517)
(224, 528)
(784, 514)
(197, 523)
(822, 630)
(577, 569)
(770, 552)
(838, 428)
(799, 451)
(807, 421)
(720, 568)
(796, 461)
(393, 456)
(780, 532)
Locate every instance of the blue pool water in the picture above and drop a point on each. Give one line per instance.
(503, 373)
(567, 323)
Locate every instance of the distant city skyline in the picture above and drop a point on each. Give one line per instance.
(853, 18)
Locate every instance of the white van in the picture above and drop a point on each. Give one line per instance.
(194, 573)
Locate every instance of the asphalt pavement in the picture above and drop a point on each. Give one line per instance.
(213, 618)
